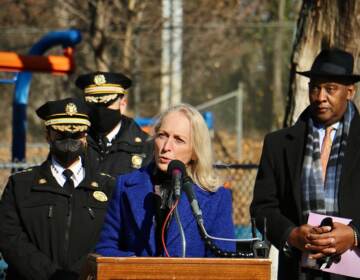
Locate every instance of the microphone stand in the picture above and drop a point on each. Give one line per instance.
(261, 248)
(182, 234)
(187, 187)
(219, 252)
(176, 169)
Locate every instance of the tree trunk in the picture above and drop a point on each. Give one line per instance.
(100, 17)
(278, 94)
(321, 24)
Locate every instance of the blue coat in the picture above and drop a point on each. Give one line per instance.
(129, 227)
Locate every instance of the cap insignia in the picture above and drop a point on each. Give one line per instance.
(138, 140)
(99, 79)
(100, 196)
(70, 109)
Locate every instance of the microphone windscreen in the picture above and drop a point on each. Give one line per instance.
(176, 165)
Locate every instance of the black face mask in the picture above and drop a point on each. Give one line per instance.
(67, 150)
(103, 120)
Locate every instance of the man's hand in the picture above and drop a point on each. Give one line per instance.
(323, 242)
(299, 236)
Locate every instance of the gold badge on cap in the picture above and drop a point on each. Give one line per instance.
(99, 79)
(70, 109)
(136, 161)
(138, 140)
(100, 196)
(94, 184)
(42, 181)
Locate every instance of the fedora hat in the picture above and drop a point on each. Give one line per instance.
(333, 63)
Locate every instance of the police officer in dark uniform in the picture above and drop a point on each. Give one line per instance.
(116, 143)
(51, 214)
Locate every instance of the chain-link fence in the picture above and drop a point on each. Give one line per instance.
(240, 178)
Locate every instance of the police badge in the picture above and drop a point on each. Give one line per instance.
(100, 196)
(136, 161)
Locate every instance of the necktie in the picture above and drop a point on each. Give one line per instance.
(103, 143)
(325, 150)
(69, 183)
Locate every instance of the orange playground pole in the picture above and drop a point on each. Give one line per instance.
(13, 62)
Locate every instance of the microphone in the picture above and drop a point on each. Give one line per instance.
(176, 170)
(188, 189)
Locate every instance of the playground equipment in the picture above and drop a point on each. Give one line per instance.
(35, 62)
(13, 62)
(24, 65)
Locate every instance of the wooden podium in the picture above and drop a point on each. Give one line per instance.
(106, 268)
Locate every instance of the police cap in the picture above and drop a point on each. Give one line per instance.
(70, 115)
(103, 87)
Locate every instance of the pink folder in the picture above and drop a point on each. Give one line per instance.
(349, 264)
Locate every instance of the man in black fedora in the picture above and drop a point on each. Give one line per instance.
(314, 166)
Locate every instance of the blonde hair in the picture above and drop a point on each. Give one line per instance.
(200, 169)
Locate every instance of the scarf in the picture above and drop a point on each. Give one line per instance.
(319, 196)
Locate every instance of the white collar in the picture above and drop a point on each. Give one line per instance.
(335, 126)
(77, 169)
(112, 134)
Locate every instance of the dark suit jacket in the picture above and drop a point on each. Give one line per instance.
(129, 227)
(277, 192)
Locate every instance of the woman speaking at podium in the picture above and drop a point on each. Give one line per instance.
(147, 217)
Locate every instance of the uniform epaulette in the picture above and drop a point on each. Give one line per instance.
(22, 171)
(107, 175)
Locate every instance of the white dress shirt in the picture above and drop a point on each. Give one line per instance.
(77, 169)
(321, 130)
(112, 134)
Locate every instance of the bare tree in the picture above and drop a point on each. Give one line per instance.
(321, 24)
(224, 42)
(105, 23)
(278, 94)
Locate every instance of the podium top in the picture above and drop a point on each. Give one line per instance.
(105, 268)
(160, 260)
